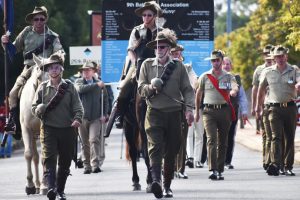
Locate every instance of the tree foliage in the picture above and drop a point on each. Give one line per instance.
(274, 22)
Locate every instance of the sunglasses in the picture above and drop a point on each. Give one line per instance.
(39, 19)
(215, 60)
(147, 15)
(161, 47)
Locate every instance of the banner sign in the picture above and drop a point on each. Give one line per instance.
(82, 54)
(192, 20)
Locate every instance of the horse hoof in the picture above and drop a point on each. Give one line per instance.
(37, 191)
(43, 191)
(136, 187)
(30, 190)
(149, 188)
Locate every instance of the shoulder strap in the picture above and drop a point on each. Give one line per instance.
(214, 81)
(61, 91)
(48, 41)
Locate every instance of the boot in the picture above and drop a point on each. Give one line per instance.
(168, 176)
(13, 124)
(50, 177)
(156, 183)
(10, 125)
(62, 175)
(121, 107)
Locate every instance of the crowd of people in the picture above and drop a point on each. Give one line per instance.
(188, 120)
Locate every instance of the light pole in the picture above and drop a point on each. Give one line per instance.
(228, 21)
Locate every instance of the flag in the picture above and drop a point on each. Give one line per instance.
(9, 21)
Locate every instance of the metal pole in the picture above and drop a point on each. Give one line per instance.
(228, 21)
(5, 136)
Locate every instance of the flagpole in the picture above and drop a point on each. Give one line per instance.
(5, 136)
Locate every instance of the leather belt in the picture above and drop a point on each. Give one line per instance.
(216, 106)
(284, 104)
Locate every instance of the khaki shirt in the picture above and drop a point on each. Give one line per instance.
(211, 94)
(281, 85)
(257, 73)
(177, 87)
(256, 77)
(29, 40)
(68, 109)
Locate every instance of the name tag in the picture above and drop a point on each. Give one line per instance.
(225, 85)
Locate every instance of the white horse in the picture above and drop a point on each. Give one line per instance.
(30, 126)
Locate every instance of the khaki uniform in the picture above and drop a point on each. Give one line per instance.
(164, 115)
(216, 117)
(27, 41)
(283, 111)
(265, 126)
(57, 135)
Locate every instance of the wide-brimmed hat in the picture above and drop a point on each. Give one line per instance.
(37, 10)
(165, 36)
(215, 54)
(177, 48)
(267, 49)
(150, 5)
(88, 65)
(43, 63)
(280, 50)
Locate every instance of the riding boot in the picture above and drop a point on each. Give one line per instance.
(10, 124)
(168, 176)
(62, 175)
(121, 107)
(156, 183)
(50, 177)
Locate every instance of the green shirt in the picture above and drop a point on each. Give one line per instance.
(68, 109)
(177, 87)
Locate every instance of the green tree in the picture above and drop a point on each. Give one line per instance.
(272, 23)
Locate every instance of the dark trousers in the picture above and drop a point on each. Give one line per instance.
(283, 125)
(230, 145)
(181, 157)
(204, 148)
(58, 145)
(164, 136)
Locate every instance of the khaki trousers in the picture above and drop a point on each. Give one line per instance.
(89, 132)
(21, 80)
(217, 123)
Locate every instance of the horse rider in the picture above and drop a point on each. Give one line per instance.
(164, 83)
(283, 81)
(137, 53)
(58, 105)
(217, 86)
(36, 39)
